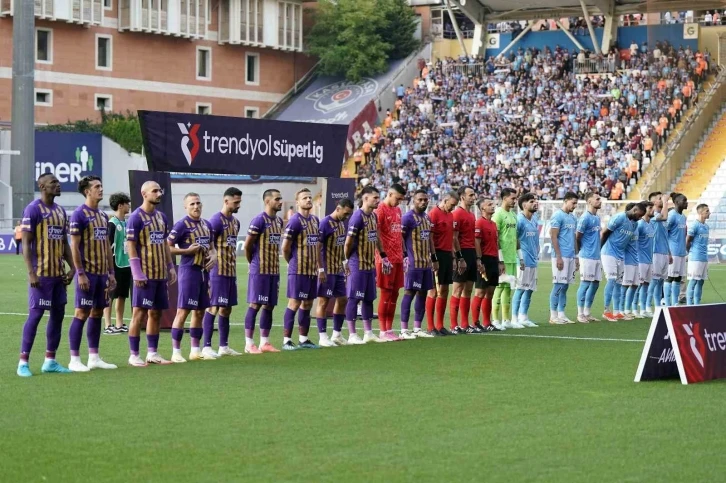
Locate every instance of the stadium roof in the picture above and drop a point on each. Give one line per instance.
(498, 10)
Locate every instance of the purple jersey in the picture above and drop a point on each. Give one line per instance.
(266, 251)
(188, 231)
(305, 236)
(416, 238)
(148, 231)
(364, 231)
(332, 241)
(48, 224)
(224, 235)
(92, 227)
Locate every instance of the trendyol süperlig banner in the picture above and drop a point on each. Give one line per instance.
(192, 143)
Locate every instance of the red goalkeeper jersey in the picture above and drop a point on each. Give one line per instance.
(389, 231)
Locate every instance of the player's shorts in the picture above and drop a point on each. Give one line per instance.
(96, 297)
(419, 279)
(660, 266)
(567, 274)
(469, 274)
(193, 288)
(645, 272)
(223, 291)
(445, 274)
(154, 296)
(263, 289)
(302, 287)
(613, 268)
(392, 281)
(630, 275)
(50, 293)
(678, 267)
(123, 283)
(361, 285)
(333, 287)
(697, 270)
(590, 270)
(527, 279)
(491, 269)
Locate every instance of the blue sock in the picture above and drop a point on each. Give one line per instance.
(644, 290)
(689, 291)
(563, 298)
(516, 302)
(649, 294)
(629, 296)
(524, 305)
(667, 293)
(590, 295)
(617, 297)
(555, 295)
(675, 292)
(698, 291)
(609, 294)
(582, 293)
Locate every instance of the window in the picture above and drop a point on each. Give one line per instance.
(44, 46)
(104, 102)
(252, 16)
(44, 97)
(252, 75)
(104, 58)
(108, 4)
(204, 108)
(252, 112)
(204, 63)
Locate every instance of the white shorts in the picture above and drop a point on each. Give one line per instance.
(630, 275)
(527, 278)
(567, 274)
(590, 270)
(613, 268)
(697, 270)
(645, 272)
(678, 267)
(660, 266)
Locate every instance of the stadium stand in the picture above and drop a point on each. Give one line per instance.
(528, 121)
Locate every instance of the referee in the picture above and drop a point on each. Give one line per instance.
(464, 228)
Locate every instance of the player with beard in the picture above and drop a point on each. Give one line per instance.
(464, 228)
(45, 248)
(661, 251)
(388, 215)
(587, 238)
(506, 221)
(528, 253)
(676, 228)
(95, 275)
(564, 263)
(262, 250)
(152, 270)
(697, 246)
(646, 233)
(191, 237)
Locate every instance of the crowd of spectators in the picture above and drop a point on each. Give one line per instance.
(530, 123)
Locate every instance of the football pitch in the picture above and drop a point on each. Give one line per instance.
(555, 403)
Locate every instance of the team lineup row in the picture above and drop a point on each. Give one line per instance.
(342, 261)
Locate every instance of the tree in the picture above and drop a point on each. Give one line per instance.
(356, 38)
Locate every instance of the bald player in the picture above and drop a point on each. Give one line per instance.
(152, 270)
(95, 275)
(191, 238)
(45, 248)
(305, 270)
(262, 250)
(388, 215)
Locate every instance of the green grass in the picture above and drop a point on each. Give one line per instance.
(469, 408)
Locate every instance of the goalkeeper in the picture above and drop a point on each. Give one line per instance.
(506, 221)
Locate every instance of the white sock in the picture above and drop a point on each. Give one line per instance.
(553, 314)
(522, 318)
(336, 333)
(93, 357)
(627, 312)
(249, 341)
(174, 351)
(49, 359)
(195, 350)
(303, 338)
(264, 340)
(150, 354)
(580, 310)
(323, 336)
(22, 363)
(586, 311)
(285, 340)
(417, 329)
(369, 332)
(75, 358)
(561, 315)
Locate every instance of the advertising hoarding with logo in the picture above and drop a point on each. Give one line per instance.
(691, 341)
(338, 189)
(191, 143)
(69, 156)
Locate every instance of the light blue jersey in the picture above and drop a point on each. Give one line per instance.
(676, 226)
(622, 231)
(589, 226)
(660, 240)
(631, 250)
(528, 236)
(646, 234)
(566, 223)
(699, 244)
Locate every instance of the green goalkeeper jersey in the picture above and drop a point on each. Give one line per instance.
(507, 228)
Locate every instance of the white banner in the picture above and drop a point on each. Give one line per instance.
(690, 30)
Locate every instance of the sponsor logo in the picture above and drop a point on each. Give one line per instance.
(313, 239)
(100, 233)
(189, 132)
(425, 235)
(329, 293)
(147, 302)
(302, 295)
(275, 238)
(192, 302)
(340, 241)
(339, 196)
(416, 285)
(263, 298)
(359, 293)
(372, 235)
(86, 302)
(339, 95)
(68, 172)
(55, 232)
(204, 241)
(44, 303)
(231, 241)
(222, 300)
(694, 345)
(156, 237)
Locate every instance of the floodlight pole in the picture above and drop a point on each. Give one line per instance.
(23, 107)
